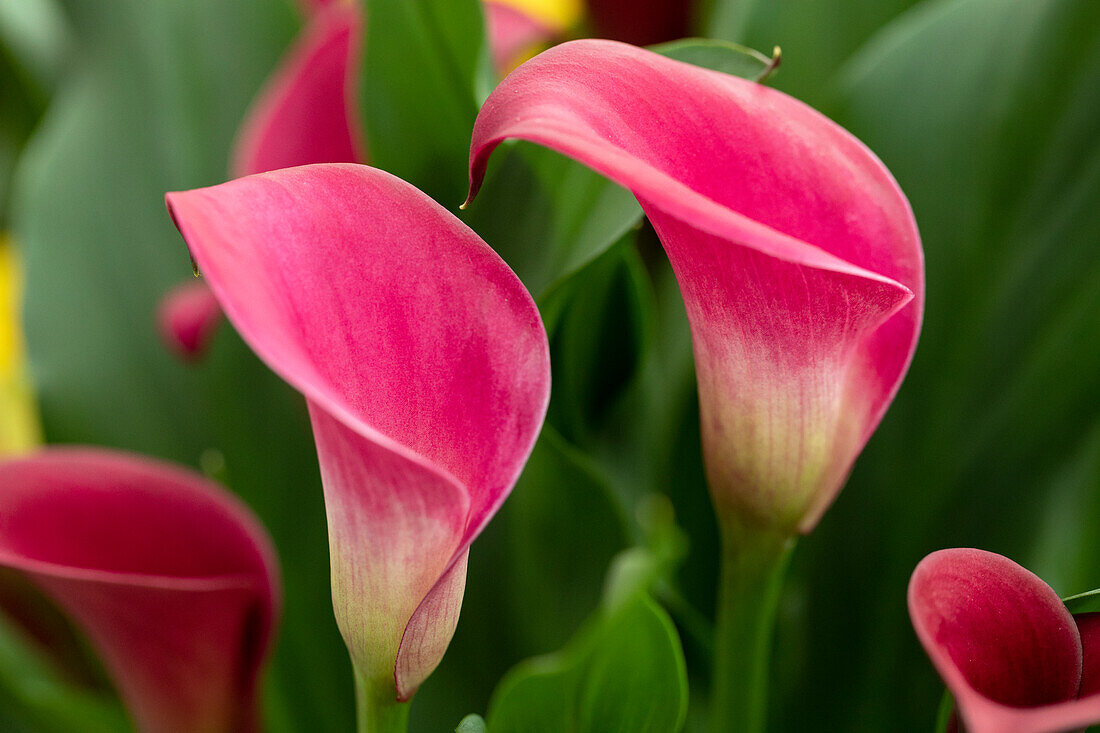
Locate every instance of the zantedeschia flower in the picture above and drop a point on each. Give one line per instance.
(1010, 652)
(170, 577)
(796, 253)
(306, 112)
(425, 366)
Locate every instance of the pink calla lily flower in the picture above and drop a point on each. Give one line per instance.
(425, 366)
(1010, 652)
(171, 578)
(796, 253)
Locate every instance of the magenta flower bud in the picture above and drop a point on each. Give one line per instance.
(425, 367)
(796, 254)
(171, 578)
(188, 317)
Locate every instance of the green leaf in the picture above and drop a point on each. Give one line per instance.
(598, 321)
(472, 723)
(149, 107)
(624, 672)
(36, 695)
(724, 56)
(535, 575)
(1088, 602)
(817, 36)
(424, 71)
(547, 215)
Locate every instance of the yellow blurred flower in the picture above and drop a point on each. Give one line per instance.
(558, 14)
(20, 429)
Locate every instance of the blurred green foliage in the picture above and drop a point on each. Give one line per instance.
(985, 111)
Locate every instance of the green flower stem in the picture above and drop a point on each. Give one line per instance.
(377, 708)
(754, 564)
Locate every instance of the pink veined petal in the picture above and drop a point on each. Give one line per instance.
(306, 112)
(796, 253)
(187, 318)
(423, 360)
(641, 22)
(512, 33)
(1002, 641)
(171, 578)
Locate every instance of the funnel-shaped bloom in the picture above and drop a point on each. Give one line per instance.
(171, 578)
(425, 367)
(796, 255)
(1010, 652)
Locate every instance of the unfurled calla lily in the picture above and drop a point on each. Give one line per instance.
(171, 578)
(1010, 652)
(795, 251)
(425, 367)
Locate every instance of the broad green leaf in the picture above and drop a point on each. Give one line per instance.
(624, 672)
(535, 575)
(597, 321)
(546, 215)
(149, 104)
(423, 73)
(816, 36)
(33, 41)
(985, 112)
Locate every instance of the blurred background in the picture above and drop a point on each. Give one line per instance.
(986, 111)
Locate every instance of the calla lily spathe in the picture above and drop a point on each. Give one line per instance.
(1011, 653)
(171, 578)
(425, 366)
(796, 254)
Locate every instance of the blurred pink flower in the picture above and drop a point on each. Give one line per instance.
(171, 578)
(1012, 655)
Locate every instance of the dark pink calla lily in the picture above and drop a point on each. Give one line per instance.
(796, 254)
(425, 367)
(1010, 652)
(171, 578)
(187, 319)
(306, 111)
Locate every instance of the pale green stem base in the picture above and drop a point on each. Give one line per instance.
(377, 708)
(754, 565)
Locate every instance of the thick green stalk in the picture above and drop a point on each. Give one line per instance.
(377, 708)
(754, 564)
